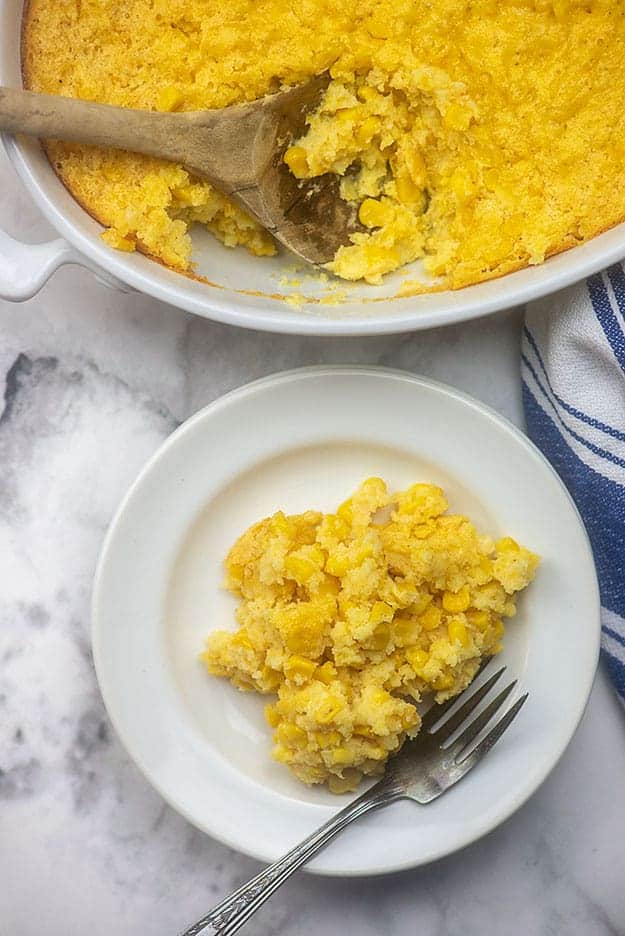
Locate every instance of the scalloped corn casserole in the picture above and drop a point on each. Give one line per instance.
(350, 618)
(479, 135)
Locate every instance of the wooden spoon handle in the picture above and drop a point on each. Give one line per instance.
(223, 145)
(61, 118)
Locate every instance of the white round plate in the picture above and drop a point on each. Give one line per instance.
(302, 440)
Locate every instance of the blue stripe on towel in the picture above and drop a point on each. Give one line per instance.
(571, 410)
(592, 492)
(617, 281)
(614, 634)
(595, 449)
(606, 317)
(616, 668)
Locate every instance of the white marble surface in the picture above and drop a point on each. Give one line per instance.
(93, 382)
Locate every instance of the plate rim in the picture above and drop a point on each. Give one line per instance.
(287, 376)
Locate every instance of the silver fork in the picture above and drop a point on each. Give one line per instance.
(421, 771)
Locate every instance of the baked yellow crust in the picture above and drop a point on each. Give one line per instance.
(480, 136)
(352, 617)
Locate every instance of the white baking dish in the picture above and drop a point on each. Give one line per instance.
(246, 290)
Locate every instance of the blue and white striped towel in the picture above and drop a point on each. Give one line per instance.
(573, 369)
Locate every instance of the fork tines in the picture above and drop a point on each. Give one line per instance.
(458, 752)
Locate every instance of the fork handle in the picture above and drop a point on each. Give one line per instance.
(236, 909)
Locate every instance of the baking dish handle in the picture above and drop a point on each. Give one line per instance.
(25, 268)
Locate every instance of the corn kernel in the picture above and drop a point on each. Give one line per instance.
(304, 627)
(364, 552)
(346, 605)
(341, 755)
(326, 673)
(337, 565)
(169, 99)
(380, 612)
(404, 630)
(479, 619)
(297, 161)
(456, 602)
(443, 682)
(364, 731)
(116, 240)
(329, 710)
(336, 526)
(380, 697)
(431, 618)
(377, 752)
(347, 114)
(272, 715)
(185, 194)
(416, 167)
(407, 191)
(317, 554)
(457, 632)
(367, 93)
(281, 524)
(507, 544)
(409, 718)
(373, 213)
(240, 639)
(380, 637)
(293, 735)
(327, 739)
(298, 666)
(300, 568)
(417, 658)
(270, 679)
(329, 586)
(367, 130)
(345, 511)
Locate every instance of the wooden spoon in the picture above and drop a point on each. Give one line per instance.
(239, 149)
